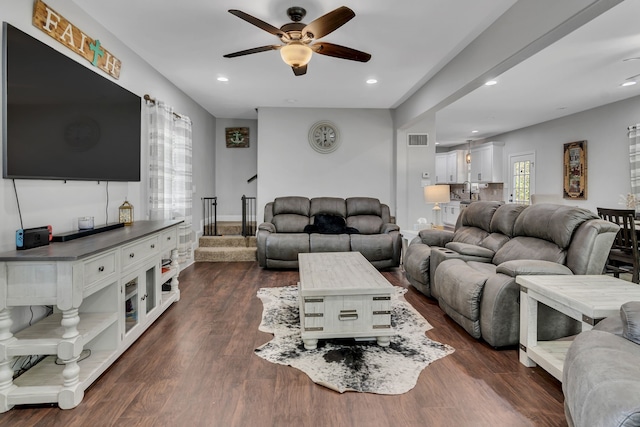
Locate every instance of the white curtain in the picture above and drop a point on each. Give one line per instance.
(634, 158)
(170, 177)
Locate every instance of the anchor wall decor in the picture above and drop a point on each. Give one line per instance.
(237, 137)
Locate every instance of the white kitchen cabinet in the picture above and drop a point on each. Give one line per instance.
(487, 162)
(451, 167)
(106, 290)
(450, 212)
(441, 168)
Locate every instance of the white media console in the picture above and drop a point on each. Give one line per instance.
(106, 290)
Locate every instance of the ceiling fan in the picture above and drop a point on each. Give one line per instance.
(299, 39)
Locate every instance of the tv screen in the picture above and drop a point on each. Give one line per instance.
(62, 120)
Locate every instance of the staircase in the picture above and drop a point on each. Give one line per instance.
(228, 246)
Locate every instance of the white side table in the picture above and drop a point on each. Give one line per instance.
(587, 299)
(407, 237)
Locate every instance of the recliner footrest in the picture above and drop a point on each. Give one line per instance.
(460, 290)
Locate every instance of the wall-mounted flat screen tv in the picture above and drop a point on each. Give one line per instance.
(63, 120)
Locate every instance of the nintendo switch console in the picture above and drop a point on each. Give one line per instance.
(33, 237)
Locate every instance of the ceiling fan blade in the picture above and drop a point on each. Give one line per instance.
(250, 51)
(338, 51)
(299, 71)
(257, 22)
(329, 22)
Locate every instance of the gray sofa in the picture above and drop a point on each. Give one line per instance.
(360, 224)
(472, 271)
(601, 373)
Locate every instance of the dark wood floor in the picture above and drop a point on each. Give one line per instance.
(196, 367)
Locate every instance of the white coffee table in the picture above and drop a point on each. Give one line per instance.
(587, 299)
(343, 296)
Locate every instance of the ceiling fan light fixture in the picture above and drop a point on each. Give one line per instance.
(296, 54)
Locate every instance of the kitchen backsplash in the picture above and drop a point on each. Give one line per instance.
(493, 191)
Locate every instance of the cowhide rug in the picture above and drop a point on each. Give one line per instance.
(349, 365)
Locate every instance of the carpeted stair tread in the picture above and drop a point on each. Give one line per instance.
(228, 246)
(227, 241)
(230, 228)
(225, 254)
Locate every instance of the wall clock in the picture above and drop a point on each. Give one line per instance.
(324, 137)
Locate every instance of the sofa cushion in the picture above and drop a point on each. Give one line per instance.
(363, 206)
(524, 267)
(374, 247)
(479, 214)
(365, 224)
(290, 223)
(472, 250)
(328, 205)
(470, 235)
(291, 205)
(504, 218)
(290, 214)
(364, 214)
(494, 241)
(286, 246)
(630, 315)
(329, 243)
(554, 223)
(529, 248)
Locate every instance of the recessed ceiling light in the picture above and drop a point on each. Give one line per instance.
(491, 83)
(629, 83)
(372, 81)
(223, 79)
(437, 143)
(474, 131)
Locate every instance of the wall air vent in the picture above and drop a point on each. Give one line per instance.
(418, 139)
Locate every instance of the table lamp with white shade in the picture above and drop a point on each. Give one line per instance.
(437, 194)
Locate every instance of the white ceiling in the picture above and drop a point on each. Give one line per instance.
(186, 41)
(581, 71)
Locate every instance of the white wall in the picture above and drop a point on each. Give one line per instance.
(363, 165)
(60, 204)
(233, 167)
(411, 163)
(605, 130)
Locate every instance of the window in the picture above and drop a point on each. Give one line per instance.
(522, 178)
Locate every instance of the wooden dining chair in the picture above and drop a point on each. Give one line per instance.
(624, 256)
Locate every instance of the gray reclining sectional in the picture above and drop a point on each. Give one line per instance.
(361, 224)
(471, 272)
(601, 373)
